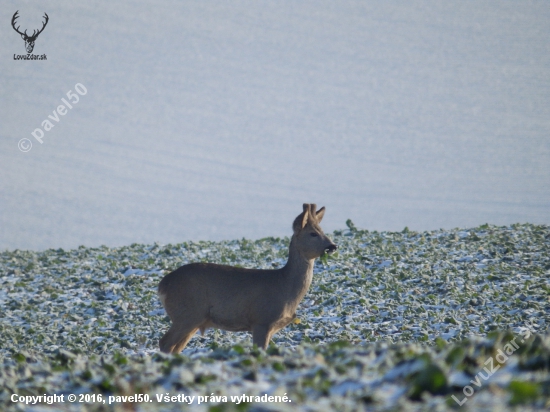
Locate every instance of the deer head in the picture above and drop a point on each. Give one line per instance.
(29, 40)
(310, 240)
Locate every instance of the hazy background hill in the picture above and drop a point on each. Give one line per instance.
(216, 120)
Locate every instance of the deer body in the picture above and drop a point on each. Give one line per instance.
(199, 296)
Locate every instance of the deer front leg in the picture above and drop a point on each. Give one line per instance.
(261, 335)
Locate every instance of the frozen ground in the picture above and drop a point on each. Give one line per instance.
(394, 321)
(215, 120)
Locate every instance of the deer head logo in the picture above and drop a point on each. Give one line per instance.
(29, 40)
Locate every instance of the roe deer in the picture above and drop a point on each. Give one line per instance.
(199, 296)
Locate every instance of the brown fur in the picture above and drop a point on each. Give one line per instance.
(199, 296)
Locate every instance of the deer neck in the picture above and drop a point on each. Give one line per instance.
(298, 272)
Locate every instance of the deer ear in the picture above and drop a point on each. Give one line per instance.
(320, 213)
(301, 219)
(305, 216)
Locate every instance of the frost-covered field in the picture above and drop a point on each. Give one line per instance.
(394, 320)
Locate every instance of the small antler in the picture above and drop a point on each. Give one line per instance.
(312, 209)
(15, 16)
(34, 33)
(34, 36)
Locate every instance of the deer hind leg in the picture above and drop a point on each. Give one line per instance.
(176, 338)
(261, 335)
(184, 341)
(167, 342)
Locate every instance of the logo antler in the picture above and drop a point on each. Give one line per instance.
(29, 40)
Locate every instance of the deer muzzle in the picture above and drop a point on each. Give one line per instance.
(331, 248)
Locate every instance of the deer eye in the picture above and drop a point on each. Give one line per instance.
(313, 234)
